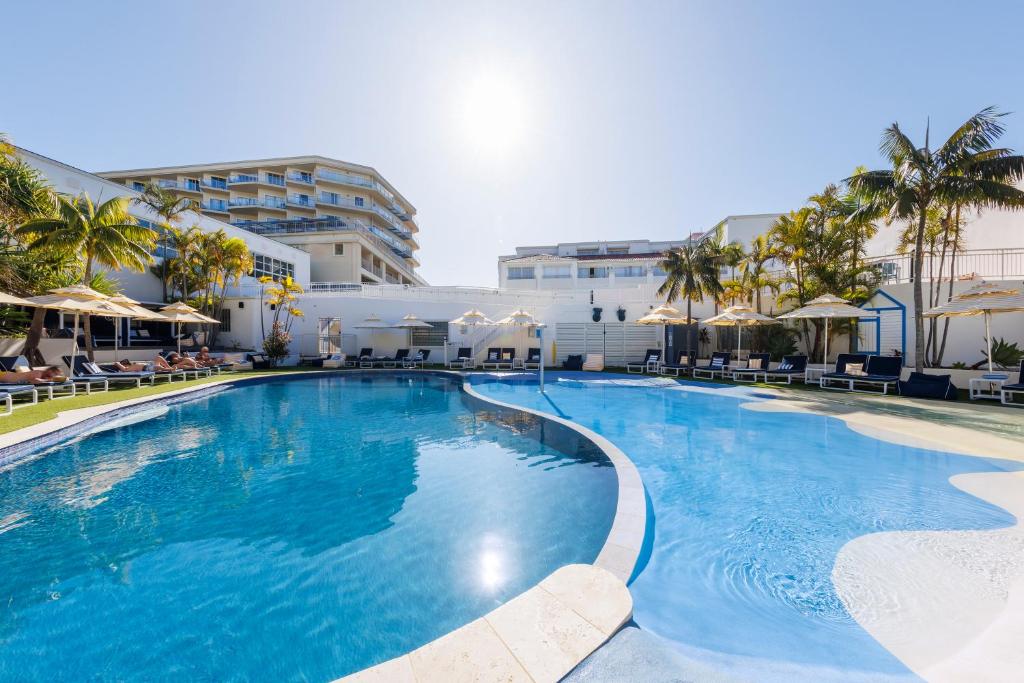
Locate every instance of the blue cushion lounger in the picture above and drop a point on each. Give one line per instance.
(683, 364)
(922, 385)
(532, 361)
(463, 359)
(1009, 391)
(13, 390)
(8, 401)
(66, 388)
(365, 356)
(206, 372)
(110, 375)
(508, 359)
(650, 363)
(420, 358)
(790, 367)
(749, 374)
(878, 371)
(719, 365)
(400, 356)
(493, 359)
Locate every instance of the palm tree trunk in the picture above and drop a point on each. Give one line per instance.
(35, 334)
(689, 329)
(952, 278)
(163, 267)
(918, 291)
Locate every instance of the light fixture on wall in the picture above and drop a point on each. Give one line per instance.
(241, 304)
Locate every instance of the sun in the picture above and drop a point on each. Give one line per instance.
(492, 115)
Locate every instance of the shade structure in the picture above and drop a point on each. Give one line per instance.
(739, 317)
(372, 322)
(140, 311)
(664, 315)
(180, 312)
(519, 318)
(11, 300)
(472, 317)
(827, 307)
(410, 321)
(984, 298)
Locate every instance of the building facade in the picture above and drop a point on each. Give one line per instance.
(355, 226)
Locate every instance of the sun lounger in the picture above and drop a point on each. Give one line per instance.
(790, 367)
(420, 358)
(399, 359)
(594, 362)
(757, 366)
(683, 365)
(83, 369)
(493, 358)
(365, 354)
(1009, 391)
(18, 390)
(719, 365)
(853, 370)
(65, 389)
(650, 363)
(532, 361)
(922, 385)
(463, 359)
(8, 401)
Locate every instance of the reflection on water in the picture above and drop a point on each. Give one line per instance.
(310, 528)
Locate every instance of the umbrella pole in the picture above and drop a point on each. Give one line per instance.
(445, 342)
(540, 336)
(826, 344)
(177, 333)
(74, 348)
(739, 341)
(988, 337)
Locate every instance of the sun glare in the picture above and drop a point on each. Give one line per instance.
(492, 115)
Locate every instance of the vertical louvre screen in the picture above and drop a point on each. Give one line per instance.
(617, 342)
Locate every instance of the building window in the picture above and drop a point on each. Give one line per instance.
(138, 187)
(587, 251)
(330, 197)
(192, 184)
(430, 336)
(275, 179)
(520, 273)
(225, 320)
(218, 182)
(267, 266)
(629, 271)
(359, 201)
(339, 248)
(618, 250)
(658, 271)
(589, 273)
(557, 272)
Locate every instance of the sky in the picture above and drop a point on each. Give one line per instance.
(516, 123)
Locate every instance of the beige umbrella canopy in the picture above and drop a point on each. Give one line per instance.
(739, 317)
(827, 307)
(472, 317)
(11, 300)
(984, 298)
(372, 322)
(180, 312)
(79, 300)
(410, 321)
(665, 315)
(139, 311)
(519, 318)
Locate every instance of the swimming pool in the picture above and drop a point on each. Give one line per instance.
(294, 529)
(749, 510)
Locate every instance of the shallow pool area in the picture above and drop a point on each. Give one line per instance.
(749, 510)
(294, 529)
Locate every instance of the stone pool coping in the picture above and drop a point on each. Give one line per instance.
(539, 635)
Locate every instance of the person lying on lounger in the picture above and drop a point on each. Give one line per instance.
(128, 366)
(204, 359)
(44, 376)
(173, 362)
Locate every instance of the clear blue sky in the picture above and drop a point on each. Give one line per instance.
(513, 123)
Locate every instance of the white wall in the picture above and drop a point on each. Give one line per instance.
(145, 286)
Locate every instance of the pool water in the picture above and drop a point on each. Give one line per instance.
(750, 509)
(287, 530)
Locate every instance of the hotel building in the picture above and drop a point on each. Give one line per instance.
(355, 226)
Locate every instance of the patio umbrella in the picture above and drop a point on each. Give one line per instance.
(665, 315)
(739, 317)
(410, 322)
(825, 308)
(984, 298)
(180, 312)
(521, 318)
(80, 300)
(11, 300)
(137, 310)
(470, 318)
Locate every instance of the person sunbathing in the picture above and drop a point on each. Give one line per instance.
(127, 366)
(204, 358)
(44, 376)
(176, 362)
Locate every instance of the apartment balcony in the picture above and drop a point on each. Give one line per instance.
(215, 185)
(300, 179)
(243, 179)
(300, 202)
(181, 186)
(343, 202)
(253, 203)
(215, 206)
(346, 179)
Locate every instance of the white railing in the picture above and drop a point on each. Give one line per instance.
(993, 264)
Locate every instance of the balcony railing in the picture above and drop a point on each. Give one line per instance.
(239, 178)
(298, 200)
(346, 178)
(188, 185)
(274, 180)
(995, 264)
(215, 205)
(267, 202)
(215, 184)
(299, 178)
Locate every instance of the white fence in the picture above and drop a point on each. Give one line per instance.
(618, 342)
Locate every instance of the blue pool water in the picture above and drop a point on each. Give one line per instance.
(290, 530)
(750, 509)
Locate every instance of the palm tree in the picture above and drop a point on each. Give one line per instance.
(222, 260)
(183, 269)
(105, 235)
(753, 271)
(691, 271)
(966, 170)
(170, 207)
